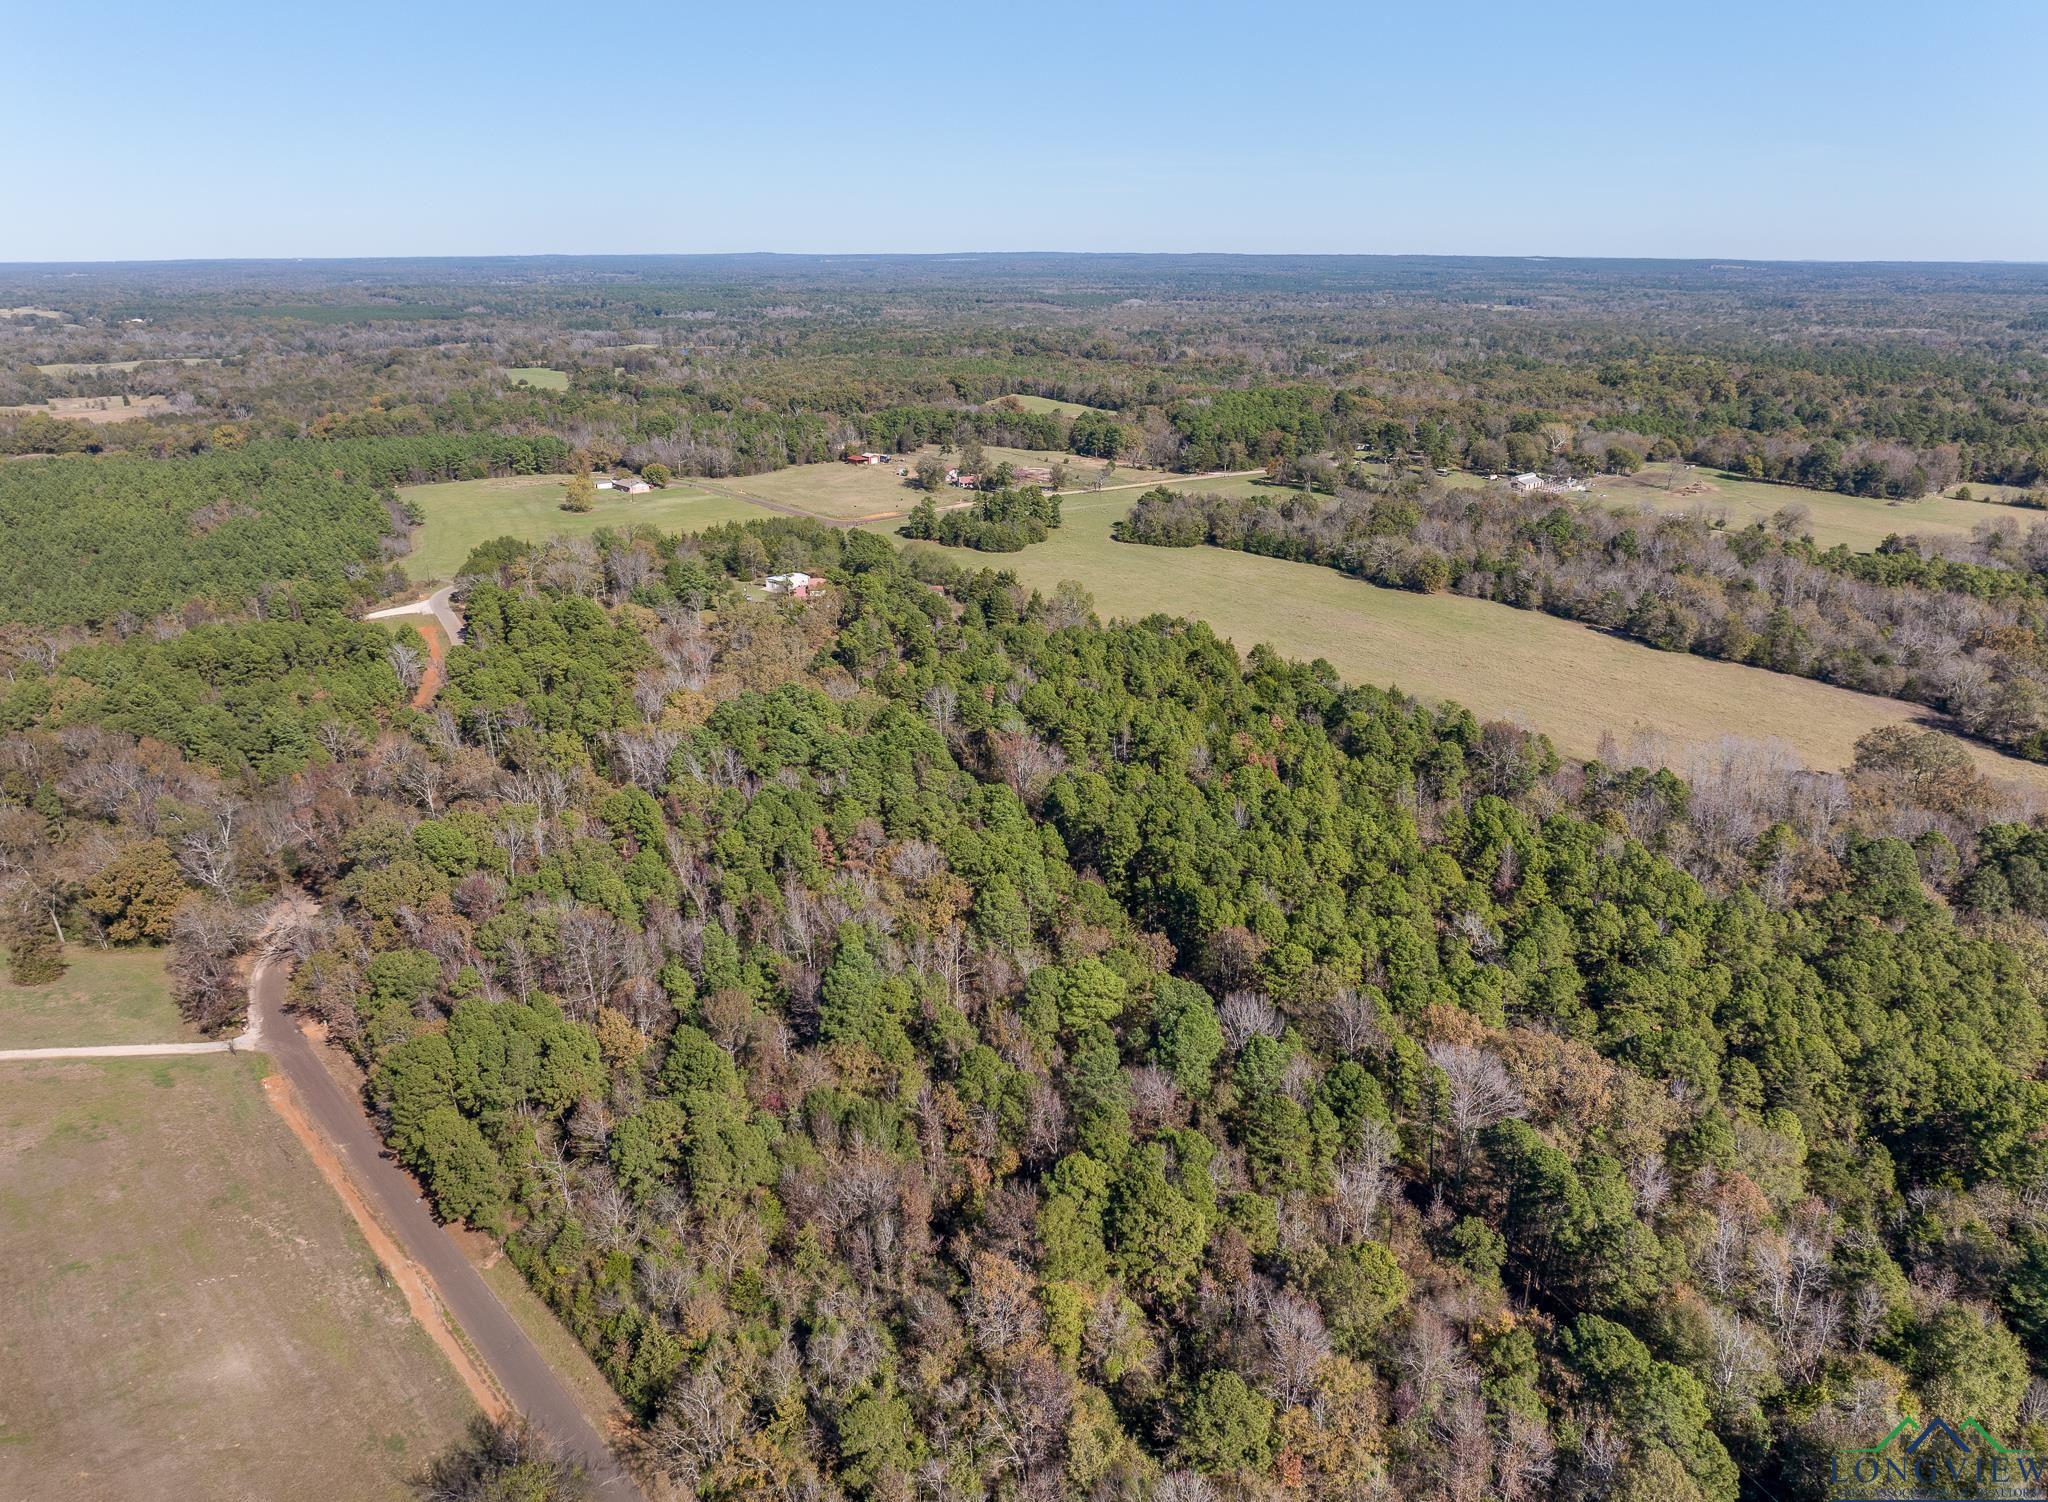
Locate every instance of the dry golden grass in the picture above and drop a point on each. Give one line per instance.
(1857, 521)
(191, 1312)
(96, 409)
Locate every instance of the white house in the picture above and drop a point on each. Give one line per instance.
(1528, 482)
(796, 586)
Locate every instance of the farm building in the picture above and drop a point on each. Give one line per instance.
(633, 485)
(603, 482)
(1530, 484)
(866, 458)
(964, 482)
(796, 586)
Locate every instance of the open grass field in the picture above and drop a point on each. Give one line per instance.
(1236, 488)
(1857, 521)
(190, 1311)
(1045, 404)
(463, 513)
(104, 996)
(97, 409)
(539, 376)
(1569, 681)
(856, 492)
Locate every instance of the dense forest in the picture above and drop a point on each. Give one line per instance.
(930, 1040)
(118, 538)
(1895, 381)
(924, 1041)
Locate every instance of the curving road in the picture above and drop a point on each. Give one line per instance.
(513, 1360)
(440, 605)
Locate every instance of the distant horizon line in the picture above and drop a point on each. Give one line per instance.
(1708, 259)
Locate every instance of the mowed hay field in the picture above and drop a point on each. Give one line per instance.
(539, 376)
(104, 996)
(190, 1311)
(857, 492)
(1043, 404)
(1569, 681)
(463, 513)
(1857, 521)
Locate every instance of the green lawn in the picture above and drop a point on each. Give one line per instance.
(1237, 488)
(463, 513)
(1567, 680)
(104, 996)
(539, 376)
(1045, 404)
(190, 1310)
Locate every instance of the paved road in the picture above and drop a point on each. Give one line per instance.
(512, 1359)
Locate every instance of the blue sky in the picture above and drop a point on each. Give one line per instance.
(445, 127)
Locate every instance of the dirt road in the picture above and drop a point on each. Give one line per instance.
(440, 605)
(513, 1361)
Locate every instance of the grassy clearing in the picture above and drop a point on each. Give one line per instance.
(191, 1313)
(104, 996)
(97, 409)
(855, 492)
(463, 513)
(1045, 404)
(1569, 681)
(1237, 488)
(1857, 521)
(539, 376)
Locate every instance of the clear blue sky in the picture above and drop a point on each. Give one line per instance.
(1797, 129)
